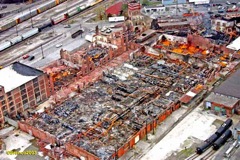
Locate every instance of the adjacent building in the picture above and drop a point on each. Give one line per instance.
(225, 99)
(171, 2)
(21, 87)
(221, 25)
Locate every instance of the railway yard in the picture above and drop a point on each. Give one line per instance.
(135, 86)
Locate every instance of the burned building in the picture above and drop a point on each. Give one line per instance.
(110, 116)
(21, 87)
(165, 24)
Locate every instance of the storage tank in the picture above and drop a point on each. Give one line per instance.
(222, 140)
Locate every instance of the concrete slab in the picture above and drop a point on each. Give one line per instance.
(18, 141)
(143, 146)
(197, 124)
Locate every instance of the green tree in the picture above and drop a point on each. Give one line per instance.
(145, 2)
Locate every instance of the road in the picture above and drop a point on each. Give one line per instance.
(50, 51)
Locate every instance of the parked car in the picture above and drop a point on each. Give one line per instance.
(58, 45)
(67, 26)
(210, 12)
(25, 56)
(232, 10)
(108, 30)
(221, 11)
(228, 3)
(31, 58)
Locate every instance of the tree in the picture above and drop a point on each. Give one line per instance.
(145, 2)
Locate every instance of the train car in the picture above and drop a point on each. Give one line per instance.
(5, 45)
(207, 143)
(30, 33)
(46, 6)
(77, 33)
(74, 11)
(16, 40)
(47, 23)
(7, 24)
(59, 18)
(33, 12)
(224, 127)
(59, 1)
(23, 16)
(95, 2)
(222, 140)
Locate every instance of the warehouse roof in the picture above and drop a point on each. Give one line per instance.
(221, 99)
(231, 86)
(115, 9)
(16, 75)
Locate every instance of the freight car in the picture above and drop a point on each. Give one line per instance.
(18, 39)
(11, 22)
(207, 143)
(77, 33)
(222, 140)
(210, 141)
(224, 127)
(55, 20)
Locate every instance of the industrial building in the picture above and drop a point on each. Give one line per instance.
(21, 87)
(225, 99)
(117, 110)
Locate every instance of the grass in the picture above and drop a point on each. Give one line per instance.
(217, 123)
(186, 152)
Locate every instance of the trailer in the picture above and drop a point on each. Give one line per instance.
(116, 19)
(77, 33)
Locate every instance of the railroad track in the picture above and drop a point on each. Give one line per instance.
(88, 9)
(209, 155)
(192, 157)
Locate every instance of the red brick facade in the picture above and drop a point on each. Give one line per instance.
(26, 96)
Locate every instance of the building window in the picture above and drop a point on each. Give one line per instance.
(23, 91)
(35, 80)
(9, 93)
(22, 87)
(25, 106)
(4, 108)
(11, 109)
(5, 113)
(35, 84)
(36, 89)
(11, 104)
(10, 98)
(25, 101)
(3, 102)
(37, 94)
(1, 98)
(24, 96)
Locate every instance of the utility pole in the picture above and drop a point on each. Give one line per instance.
(176, 6)
(81, 29)
(42, 52)
(31, 17)
(16, 30)
(146, 131)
